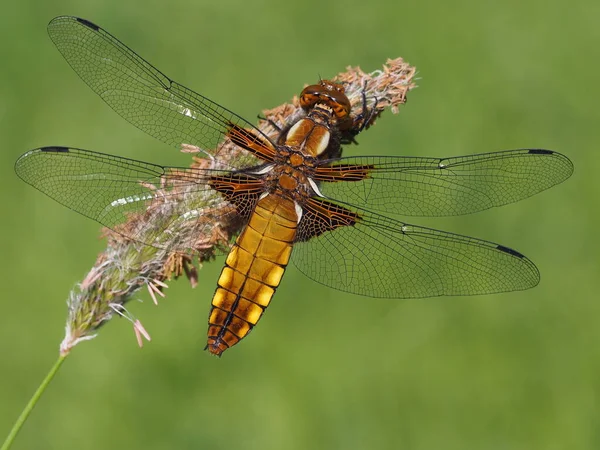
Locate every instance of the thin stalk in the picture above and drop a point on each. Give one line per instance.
(32, 402)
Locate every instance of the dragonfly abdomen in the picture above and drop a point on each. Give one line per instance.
(252, 272)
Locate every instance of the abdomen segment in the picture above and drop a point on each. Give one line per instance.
(252, 272)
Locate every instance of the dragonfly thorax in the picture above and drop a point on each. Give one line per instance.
(290, 173)
(310, 136)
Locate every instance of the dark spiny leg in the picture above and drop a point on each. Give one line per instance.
(271, 122)
(282, 131)
(366, 115)
(362, 120)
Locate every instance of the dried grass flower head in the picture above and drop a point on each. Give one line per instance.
(209, 222)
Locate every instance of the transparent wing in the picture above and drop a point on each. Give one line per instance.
(442, 186)
(380, 257)
(140, 93)
(166, 207)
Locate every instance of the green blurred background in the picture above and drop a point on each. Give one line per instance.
(323, 369)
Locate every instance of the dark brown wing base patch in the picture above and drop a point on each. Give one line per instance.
(251, 142)
(320, 216)
(238, 189)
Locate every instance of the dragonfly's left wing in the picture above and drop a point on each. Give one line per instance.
(165, 207)
(145, 96)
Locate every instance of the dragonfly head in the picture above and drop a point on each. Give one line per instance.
(329, 94)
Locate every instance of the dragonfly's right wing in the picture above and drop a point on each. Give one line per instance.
(365, 253)
(418, 186)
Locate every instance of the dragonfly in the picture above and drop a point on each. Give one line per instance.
(296, 197)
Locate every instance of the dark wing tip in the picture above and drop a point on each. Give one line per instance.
(55, 149)
(83, 22)
(540, 151)
(88, 24)
(510, 251)
(567, 164)
(530, 273)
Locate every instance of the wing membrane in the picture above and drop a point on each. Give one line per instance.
(381, 257)
(443, 186)
(145, 202)
(140, 93)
